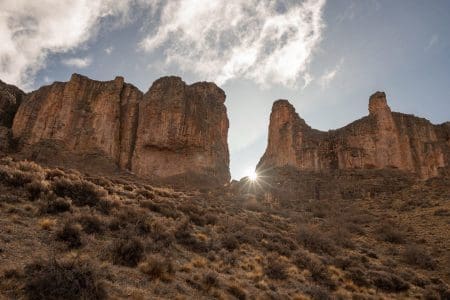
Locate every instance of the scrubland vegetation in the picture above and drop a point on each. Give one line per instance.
(76, 236)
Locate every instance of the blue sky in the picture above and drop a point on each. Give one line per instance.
(326, 57)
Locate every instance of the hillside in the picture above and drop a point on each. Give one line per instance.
(71, 235)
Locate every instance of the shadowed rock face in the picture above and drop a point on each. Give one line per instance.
(10, 99)
(381, 140)
(173, 130)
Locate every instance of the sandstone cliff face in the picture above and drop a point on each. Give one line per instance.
(182, 128)
(173, 129)
(381, 140)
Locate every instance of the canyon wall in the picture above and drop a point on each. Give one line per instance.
(172, 130)
(383, 139)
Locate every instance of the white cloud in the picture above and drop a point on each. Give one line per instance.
(109, 50)
(31, 30)
(77, 62)
(330, 75)
(269, 42)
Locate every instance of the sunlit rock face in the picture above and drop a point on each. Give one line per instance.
(383, 139)
(182, 129)
(174, 129)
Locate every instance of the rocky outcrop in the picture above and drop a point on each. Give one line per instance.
(10, 99)
(173, 130)
(383, 139)
(182, 128)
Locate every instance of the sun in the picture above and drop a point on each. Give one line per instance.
(252, 175)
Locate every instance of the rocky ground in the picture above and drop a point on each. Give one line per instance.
(65, 234)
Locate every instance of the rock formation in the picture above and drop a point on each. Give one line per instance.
(10, 99)
(384, 139)
(173, 130)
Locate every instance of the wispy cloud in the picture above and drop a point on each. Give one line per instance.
(269, 42)
(434, 39)
(77, 62)
(330, 75)
(30, 30)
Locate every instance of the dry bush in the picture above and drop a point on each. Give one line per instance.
(91, 224)
(229, 241)
(62, 280)
(442, 212)
(127, 251)
(315, 240)
(81, 192)
(275, 268)
(14, 177)
(51, 204)
(318, 270)
(418, 256)
(36, 188)
(184, 236)
(70, 233)
(358, 276)
(166, 209)
(390, 233)
(210, 280)
(237, 292)
(388, 281)
(157, 267)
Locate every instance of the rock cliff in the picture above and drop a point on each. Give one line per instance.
(381, 140)
(10, 99)
(173, 130)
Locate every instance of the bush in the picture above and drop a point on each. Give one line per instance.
(237, 292)
(157, 267)
(315, 240)
(210, 279)
(229, 242)
(388, 281)
(391, 234)
(318, 270)
(418, 256)
(51, 204)
(81, 192)
(184, 237)
(62, 280)
(91, 224)
(71, 234)
(127, 252)
(36, 188)
(275, 269)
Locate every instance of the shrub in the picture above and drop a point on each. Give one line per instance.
(391, 234)
(210, 279)
(237, 292)
(388, 281)
(275, 268)
(318, 270)
(81, 192)
(15, 177)
(157, 267)
(358, 276)
(418, 256)
(62, 280)
(70, 234)
(51, 204)
(127, 252)
(184, 237)
(229, 242)
(91, 224)
(36, 188)
(315, 240)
